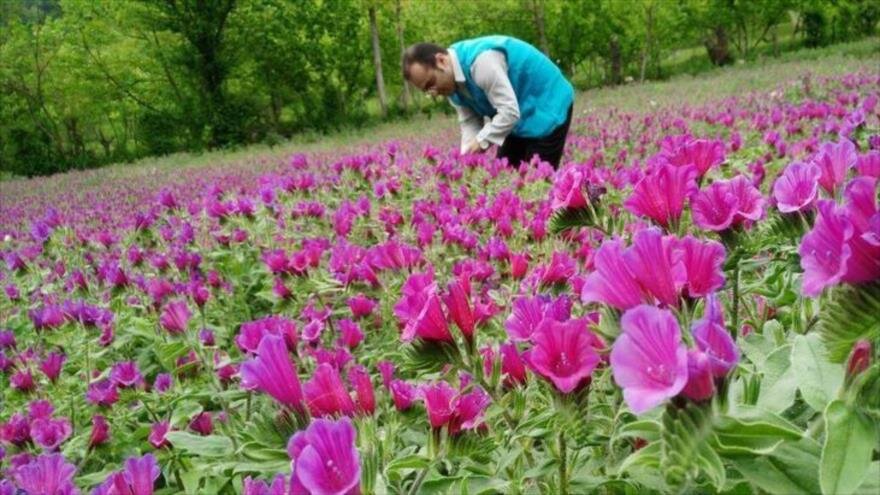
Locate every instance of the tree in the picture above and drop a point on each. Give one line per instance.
(377, 60)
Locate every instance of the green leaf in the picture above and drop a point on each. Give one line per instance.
(818, 379)
(752, 432)
(791, 469)
(850, 439)
(646, 429)
(778, 383)
(409, 462)
(571, 218)
(203, 446)
(852, 313)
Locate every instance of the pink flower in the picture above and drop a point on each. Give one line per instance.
(458, 304)
(648, 359)
(351, 334)
(325, 459)
(700, 385)
(869, 164)
(273, 372)
(713, 339)
(834, 161)
(750, 201)
(512, 366)
(100, 431)
(528, 312)
(661, 194)
(403, 394)
(361, 306)
(519, 265)
(360, 381)
(47, 474)
(175, 317)
(611, 282)
(439, 401)
(137, 477)
(202, 423)
(714, 207)
(158, 431)
(703, 154)
(325, 393)
(50, 433)
(51, 366)
(825, 250)
(102, 393)
(252, 332)
(126, 374)
(563, 353)
(568, 189)
(656, 265)
(420, 312)
(703, 262)
(797, 188)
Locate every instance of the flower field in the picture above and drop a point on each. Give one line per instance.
(690, 304)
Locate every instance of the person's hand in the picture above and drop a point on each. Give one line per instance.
(473, 147)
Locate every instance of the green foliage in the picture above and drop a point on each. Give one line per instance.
(850, 439)
(851, 313)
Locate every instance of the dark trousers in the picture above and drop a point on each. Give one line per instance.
(549, 148)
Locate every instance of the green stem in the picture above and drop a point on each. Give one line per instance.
(563, 465)
(735, 329)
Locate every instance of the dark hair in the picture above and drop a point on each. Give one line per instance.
(421, 53)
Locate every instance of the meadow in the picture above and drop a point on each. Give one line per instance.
(690, 304)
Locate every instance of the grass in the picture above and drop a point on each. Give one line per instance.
(761, 74)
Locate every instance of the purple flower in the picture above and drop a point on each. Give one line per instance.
(175, 317)
(568, 189)
(273, 372)
(361, 306)
(611, 282)
(137, 477)
(661, 194)
(403, 394)
(420, 312)
(22, 380)
(648, 359)
(834, 161)
(825, 250)
(126, 374)
(162, 383)
(47, 474)
(797, 188)
(529, 312)
(714, 207)
(259, 487)
(360, 381)
(656, 265)
(202, 423)
(325, 458)
(700, 385)
(157, 434)
(325, 393)
(52, 364)
(714, 340)
(100, 431)
(703, 261)
(252, 332)
(563, 353)
(50, 433)
(102, 393)
(439, 401)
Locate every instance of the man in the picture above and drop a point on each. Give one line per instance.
(521, 91)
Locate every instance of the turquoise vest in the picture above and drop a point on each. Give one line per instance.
(542, 92)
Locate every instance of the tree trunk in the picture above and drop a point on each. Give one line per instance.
(377, 62)
(406, 97)
(649, 40)
(717, 47)
(538, 13)
(615, 59)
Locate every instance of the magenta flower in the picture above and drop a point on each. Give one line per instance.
(703, 154)
(861, 210)
(360, 381)
(750, 201)
(458, 304)
(834, 161)
(175, 317)
(869, 164)
(563, 353)
(126, 374)
(611, 282)
(656, 265)
(47, 474)
(714, 340)
(100, 431)
(648, 359)
(50, 433)
(440, 399)
(512, 365)
(700, 385)
(325, 393)
(568, 189)
(703, 262)
(51, 366)
(138, 477)
(469, 411)
(825, 250)
(361, 306)
(202, 423)
(797, 188)
(661, 194)
(714, 207)
(350, 333)
(403, 394)
(420, 312)
(325, 459)
(158, 431)
(273, 373)
(528, 312)
(162, 383)
(22, 380)
(252, 332)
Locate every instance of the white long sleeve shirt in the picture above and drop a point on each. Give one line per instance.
(489, 72)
